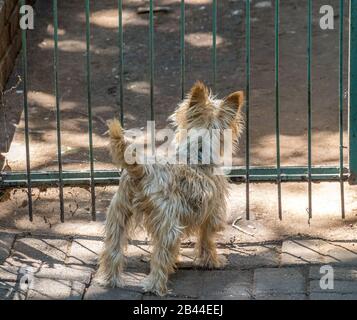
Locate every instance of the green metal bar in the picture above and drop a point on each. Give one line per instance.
(105, 177)
(89, 108)
(247, 146)
(58, 110)
(182, 47)
(309, 96)
(26, 115)
(342, 189)
(277, 107)
(121, 61)
(214, 44)
(151, 57)
(353, 93)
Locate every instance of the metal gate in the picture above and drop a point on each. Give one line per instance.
(246, 174)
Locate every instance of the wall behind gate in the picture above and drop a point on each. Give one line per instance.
(10, 38)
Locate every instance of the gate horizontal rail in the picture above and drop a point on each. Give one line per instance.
(106, 177)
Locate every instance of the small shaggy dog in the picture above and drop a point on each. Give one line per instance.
(171, 200)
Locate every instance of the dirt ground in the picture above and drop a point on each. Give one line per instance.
(264, 224)
(230, 77)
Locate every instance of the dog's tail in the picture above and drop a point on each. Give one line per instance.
(118, 145)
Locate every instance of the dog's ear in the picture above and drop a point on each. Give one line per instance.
(234, 100)
(231, 105)
(198, 94)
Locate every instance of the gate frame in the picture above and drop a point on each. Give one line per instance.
(352, 93)
(244, 174)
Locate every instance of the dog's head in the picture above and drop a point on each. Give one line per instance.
(201, 110)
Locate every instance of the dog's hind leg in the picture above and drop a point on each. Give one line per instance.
(206, 250)
(166, 246)
(112, 259)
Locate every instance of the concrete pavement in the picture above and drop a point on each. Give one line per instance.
(34, 266)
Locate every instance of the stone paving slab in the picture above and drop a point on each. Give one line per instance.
(186, 283)
(227, 285)
(6, 241)
(131, 279)
(182, 284)
(96, 292)
(301, 252)
(35, 252)
(318, 252)
(138, 256)
(282, 281)
(186, 259)
(340, 287)
(299, 296)
(149, 296)
(10, 273)
(84, 252)
(344, 284)
(49, 289)
(11, 291)
(254, 256)
(333, 296)
(238, 257)
(131, 291)
(65, 269)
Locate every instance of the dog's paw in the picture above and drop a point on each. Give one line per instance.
(116, 282)
(221, 262)
(113, 282)
(211, 262)
(152, 285)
